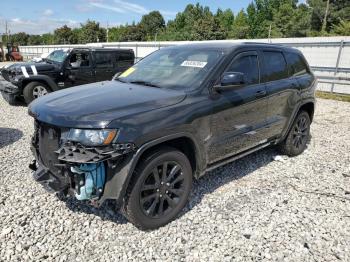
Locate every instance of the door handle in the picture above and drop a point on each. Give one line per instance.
(260, 93)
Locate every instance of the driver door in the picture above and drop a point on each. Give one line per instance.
(80, 69)
(238, 122)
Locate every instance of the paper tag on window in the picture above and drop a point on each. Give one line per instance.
(128, 72)
(198, 64)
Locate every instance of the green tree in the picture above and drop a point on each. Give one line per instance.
(151, 24)
(225, 18)
(343, 28)
(20, 38)
(47, 39)
(240, 26)
(91, 32)
(35, 40)
(63, 35)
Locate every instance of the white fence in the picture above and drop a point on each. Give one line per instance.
(329, 57)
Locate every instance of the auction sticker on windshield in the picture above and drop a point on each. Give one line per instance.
(128, 72)
(198, 64)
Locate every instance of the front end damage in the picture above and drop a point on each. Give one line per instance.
(8, 90)
(89, 173)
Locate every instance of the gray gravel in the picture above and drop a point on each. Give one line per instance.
(263, 207)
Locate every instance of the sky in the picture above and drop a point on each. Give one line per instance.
(42, 16)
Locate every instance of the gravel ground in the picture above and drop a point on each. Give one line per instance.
(262, 207)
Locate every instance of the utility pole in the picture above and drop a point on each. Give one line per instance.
(107, 31)
(324, 24)
(7, 32)
(270, 33)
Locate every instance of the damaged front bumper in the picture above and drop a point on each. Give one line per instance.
(88, 173)
(8, 90)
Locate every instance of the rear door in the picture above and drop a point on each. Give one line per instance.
(239, 118)
(104, 65)
(282, 90)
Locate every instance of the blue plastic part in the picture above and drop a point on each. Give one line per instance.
(94, 180)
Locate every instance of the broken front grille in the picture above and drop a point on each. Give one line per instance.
(47, 142)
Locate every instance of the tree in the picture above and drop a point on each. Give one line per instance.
(47, 39)
(225, 19)
(343, 28)
(151, 24)
(20, 38)
(91, 33)
(240, 26)
(63, 35)
(34, 40)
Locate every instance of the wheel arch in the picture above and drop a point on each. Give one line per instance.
(308, 106)
(41, 79)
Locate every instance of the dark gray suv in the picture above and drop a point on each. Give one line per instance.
(141, 139)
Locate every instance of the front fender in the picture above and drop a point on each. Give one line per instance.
(40, 78)
(116, 187)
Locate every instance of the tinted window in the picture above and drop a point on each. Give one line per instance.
(296, 64)
(125, 57)
(248, 65)
(276, 66)
(104, 59)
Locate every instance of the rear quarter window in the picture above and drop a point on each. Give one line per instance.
(104, 59)
(275, 66)
(296, 63)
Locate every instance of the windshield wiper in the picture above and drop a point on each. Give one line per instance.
(120, 80)
(144, 83)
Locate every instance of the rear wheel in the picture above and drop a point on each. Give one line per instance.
(159, 190)
(34, 90)
(298, 136)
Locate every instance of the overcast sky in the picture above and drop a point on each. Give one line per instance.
(42, 16)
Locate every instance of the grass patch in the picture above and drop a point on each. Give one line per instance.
(333, 96)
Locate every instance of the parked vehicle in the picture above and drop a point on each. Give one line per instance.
(13, 53)
(62, 69)
(140, 140)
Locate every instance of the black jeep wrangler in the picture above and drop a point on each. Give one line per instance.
(142, 138)
(62, 69)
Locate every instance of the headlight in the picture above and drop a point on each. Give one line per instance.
(92, 137)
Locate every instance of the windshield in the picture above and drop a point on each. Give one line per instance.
(57, 56)
(173, 68)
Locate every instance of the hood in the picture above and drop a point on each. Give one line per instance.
(96, 105)
(30, 68)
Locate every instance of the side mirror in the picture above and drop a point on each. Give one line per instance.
(230, 80)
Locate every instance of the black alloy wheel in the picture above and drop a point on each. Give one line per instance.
(159, 189)
(298, 136)
(162, 189)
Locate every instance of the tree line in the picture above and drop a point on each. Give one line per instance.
(261, 19)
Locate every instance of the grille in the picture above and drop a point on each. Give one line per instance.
(48, 138)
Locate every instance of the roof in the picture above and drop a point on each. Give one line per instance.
(102, 49)
(228, 46)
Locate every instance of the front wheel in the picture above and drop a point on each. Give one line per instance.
(34, 90)
(159, 190)
(298, 136)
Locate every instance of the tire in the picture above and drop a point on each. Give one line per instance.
(34, 90)
(155, 198)
(298, 136)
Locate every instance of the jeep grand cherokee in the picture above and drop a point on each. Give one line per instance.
(142, 138)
